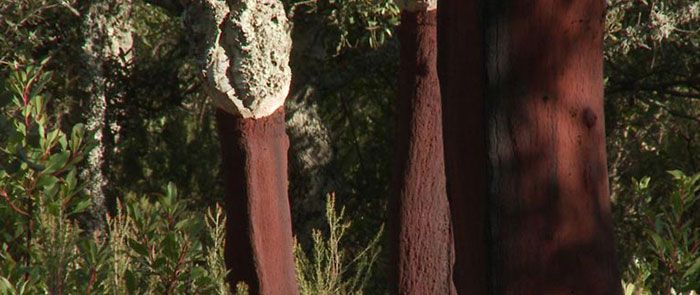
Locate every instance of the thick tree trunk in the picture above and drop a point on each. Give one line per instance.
(552, 228)
(525, 147)
(420, 234)
(258, 229)
(461, 69)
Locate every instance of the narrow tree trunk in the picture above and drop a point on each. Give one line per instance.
(461, 69)
(107, 43)
(552, 228)
(258, 229)
(420, 234)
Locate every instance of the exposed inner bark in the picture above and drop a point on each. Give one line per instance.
(420, 221)
(552, 228)
(461, 68)
(258, 248)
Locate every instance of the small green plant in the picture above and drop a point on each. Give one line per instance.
(330, 269)
(671, 263)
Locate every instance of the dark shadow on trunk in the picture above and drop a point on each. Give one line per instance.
(462, 77)
(522, 86)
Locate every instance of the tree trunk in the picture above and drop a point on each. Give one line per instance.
(461, 69)
(420, 223)
(311, 178)
(552, 226)
(108, 42)
(243, 50)
(532, 107)
(258, 228)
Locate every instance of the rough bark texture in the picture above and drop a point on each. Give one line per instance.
(420, 233)
(258, 248)
(551, 222)
(108, 42)
(243, 49)
(461, 69)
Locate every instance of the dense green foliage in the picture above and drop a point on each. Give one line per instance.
(148, 247)
(345, 59)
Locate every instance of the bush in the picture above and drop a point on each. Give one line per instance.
(669, 262)
(329, 270)
(149, 247)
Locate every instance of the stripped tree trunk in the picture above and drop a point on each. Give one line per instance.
(532, 150)
(245, 61)
(420, 222)
(107, 46)
(258, 229)
(551, 226)
(461, 69)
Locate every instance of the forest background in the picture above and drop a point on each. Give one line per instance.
(161, 152)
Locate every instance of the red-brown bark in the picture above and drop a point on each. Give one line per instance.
(551, 226)
(461, 69)
(420, 223)
(522, 95)
(258, 248)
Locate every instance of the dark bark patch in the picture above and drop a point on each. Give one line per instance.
(589, 118)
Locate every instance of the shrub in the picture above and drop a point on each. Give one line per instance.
(152, 245)
(330, 270)
(670, 260)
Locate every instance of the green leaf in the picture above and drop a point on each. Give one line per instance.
(56, 161)
(63, 141)
(171, 191)
(644, 183)
(5, 286)
(171, 249)
(51, 137)
(658, 241)
(138, 247)
(81, 206)
(677, 174)
(47, 181)
(693, 269)
(76, 136)
(71, 180)
(48, 184)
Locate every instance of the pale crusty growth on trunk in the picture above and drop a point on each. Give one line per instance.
(245, 55)
(107, 39)
(417, 5)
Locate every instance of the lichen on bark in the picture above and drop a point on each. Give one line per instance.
(108, 40)
(244, 55)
